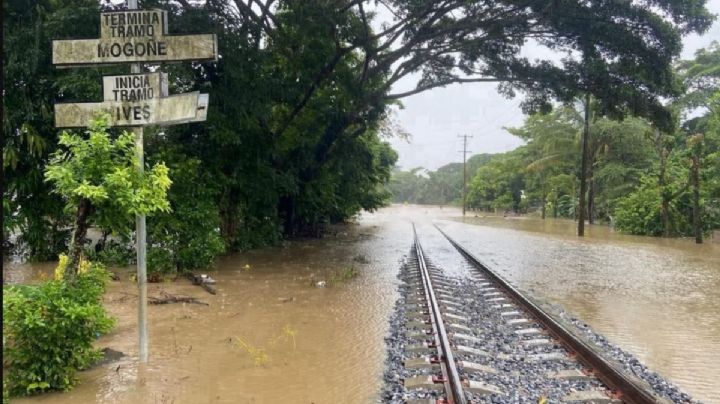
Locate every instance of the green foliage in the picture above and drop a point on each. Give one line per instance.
(498, 185)
(634, 170)
(6, 392)
(639, 212)
(701, 76)
(113, 253)
(342, 275)
(105, 172)
(440, 187)
(187, 237)
(31, 86)
(303, 88)
(48, 331)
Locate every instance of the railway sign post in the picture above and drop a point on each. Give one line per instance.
(138, 99)
(135, 100)
(136, 36)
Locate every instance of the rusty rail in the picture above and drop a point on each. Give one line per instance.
(451, 376)
(629, 389)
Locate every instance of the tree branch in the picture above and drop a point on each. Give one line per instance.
(322, 75)
(248, 12)
(442, 83)
(366, 62)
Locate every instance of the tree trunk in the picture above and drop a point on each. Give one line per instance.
(695, 179)
(286, 210)
(78, 238)
(228, 223)
(542, 209)
(664, 198)
(583, 168)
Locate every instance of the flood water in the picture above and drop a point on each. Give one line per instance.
(270, 335)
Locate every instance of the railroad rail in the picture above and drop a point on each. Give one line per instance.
(450, 374)
(627, 388)
(464, 340)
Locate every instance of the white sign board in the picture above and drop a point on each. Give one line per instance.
(135, 87)
(175, 109)
(134, 37)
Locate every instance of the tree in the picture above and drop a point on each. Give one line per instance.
(187, 236)
(98, 178)
(701, 77)
(31, 86)
(627, 51)
(302, 86)
(551, 149)
(499, 184)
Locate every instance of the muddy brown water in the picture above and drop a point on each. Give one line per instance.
(271, 335)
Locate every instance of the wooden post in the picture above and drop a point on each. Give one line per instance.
(140, 235)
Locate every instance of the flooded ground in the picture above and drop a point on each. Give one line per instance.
(271, 335)
(656, 298)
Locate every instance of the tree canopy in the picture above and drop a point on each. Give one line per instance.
(301, 92)
(642, 180)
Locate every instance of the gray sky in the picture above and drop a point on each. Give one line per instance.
(436, 118)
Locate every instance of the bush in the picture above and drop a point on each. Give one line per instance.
(49, 329)
(639, 212)
(189, 237)
(113, 254)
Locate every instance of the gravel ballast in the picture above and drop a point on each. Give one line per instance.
(509, 362)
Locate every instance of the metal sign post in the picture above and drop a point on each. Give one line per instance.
(138, 99)
(140, 232)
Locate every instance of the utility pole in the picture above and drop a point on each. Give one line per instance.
(140, 232)
(583, 167)
(464, 152)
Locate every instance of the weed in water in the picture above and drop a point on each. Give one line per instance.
(343, 275)
(259, 354)
(286, 334)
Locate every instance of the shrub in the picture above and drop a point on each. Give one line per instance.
(113, 253)
(49, 329)
(189, 237)
(639, 211)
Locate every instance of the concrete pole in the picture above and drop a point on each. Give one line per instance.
(464, 173)
(583, 168)
(464, 189)
(140, 234)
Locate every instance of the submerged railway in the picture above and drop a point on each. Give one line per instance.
(484, 341)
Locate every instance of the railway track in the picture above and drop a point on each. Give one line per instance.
(481, 340)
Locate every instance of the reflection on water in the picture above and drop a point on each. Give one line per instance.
(338, 350)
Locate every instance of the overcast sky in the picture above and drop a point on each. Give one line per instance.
(434, 119)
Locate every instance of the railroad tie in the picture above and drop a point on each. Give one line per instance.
(481, 388)
(590, 396)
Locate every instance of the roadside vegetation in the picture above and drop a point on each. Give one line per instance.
(49, 328)
(300, 104)
(49, 331)
(641, 179)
